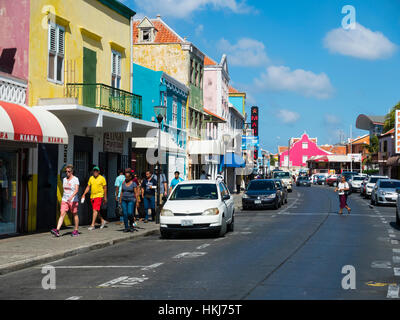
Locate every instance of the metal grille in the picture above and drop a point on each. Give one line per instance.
(81, 160)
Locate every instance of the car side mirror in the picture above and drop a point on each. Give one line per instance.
(226, 197)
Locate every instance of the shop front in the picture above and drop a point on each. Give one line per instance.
(24, 132)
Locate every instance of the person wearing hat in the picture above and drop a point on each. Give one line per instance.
(98, 193)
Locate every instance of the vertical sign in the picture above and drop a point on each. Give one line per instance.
(254, 127)
(397, 134)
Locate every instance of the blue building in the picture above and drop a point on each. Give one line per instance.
(158, 88)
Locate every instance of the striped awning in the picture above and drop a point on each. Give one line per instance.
(20, 123)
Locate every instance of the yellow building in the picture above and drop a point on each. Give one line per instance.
(80, 70)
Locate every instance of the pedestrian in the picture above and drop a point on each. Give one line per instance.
(203, 175)
(149, 186)
(163, 184)
(118, 182)
(69, 201)
(342, 189)
(98, 194)
(175, 181)
(141, 178)
(129, 200)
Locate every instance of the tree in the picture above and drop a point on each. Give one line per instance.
(390, 118)
(272, 160)
(372, 148)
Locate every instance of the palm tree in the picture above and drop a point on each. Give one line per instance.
(390, 118)
(372, 148)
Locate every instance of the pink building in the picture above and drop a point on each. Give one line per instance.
(301, 149)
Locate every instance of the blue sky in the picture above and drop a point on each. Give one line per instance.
(294, 59)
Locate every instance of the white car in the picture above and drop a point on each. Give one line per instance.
(198, 205)
(370, 184)
(355, 183)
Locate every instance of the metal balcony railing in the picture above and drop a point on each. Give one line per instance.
(104, 97)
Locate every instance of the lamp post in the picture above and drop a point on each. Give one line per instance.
(160, 112)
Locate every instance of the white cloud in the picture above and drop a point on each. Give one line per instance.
(287, 116)
(331, 119)
(307, 83)
(360, 42)
(246, 52)
(199, 30)
(184, 8)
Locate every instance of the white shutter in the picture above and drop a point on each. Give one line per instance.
(118, 64)
(52, 39)
(61, 41)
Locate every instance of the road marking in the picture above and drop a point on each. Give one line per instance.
(246, 232)
(396, 250)
(392, 235)
(123, 282)
(190, 255)
(155, 265)
(394, 241)
(396, 259)
(381, 264)
(390, 231)
(393, 291)
(74, 298)
(396, 272)
(152, 266)
(203, 246)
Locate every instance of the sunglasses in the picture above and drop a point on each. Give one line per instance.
(68, 171)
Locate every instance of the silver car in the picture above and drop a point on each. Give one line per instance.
(355, 183)
(370, 184)
(384, 191)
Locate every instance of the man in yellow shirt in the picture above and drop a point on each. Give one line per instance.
(98, 193)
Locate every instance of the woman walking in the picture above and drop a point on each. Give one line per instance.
(128, 200)
(69, 201)
(342, 189)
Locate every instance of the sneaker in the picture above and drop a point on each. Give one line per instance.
(75, 233)
(55, 232)
(91, 228)
(127, 230)
(103, 225)
(145, 221)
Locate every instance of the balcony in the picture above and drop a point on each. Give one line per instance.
(12, 89)
(102, 97)
(383, 156)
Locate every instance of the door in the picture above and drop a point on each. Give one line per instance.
(89, 78)
(112, 173)
(229, 203)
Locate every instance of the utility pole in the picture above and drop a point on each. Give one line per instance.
(351, 149)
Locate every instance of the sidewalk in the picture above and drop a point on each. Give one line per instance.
(25, 251)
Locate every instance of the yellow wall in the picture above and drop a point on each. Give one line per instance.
(89, 14)
(169, 58)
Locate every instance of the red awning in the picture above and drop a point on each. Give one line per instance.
(19, 123)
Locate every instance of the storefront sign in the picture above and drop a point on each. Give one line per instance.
(355, 157)
(397, 137)
(113, 142)
(254, 120)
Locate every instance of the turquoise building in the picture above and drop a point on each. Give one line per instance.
(158, 88)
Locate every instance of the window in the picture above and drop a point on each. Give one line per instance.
(146, 36)
(174, 112)
(183, 115)
(115, 69)
(305, 145)
(56, 39)
(305, 158)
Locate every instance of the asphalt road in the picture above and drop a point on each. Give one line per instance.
(296, 252)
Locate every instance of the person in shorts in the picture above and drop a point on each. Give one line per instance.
(98, 193)
(69, 202)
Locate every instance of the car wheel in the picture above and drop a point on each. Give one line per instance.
(397, 217)
(276, 205)
(165, 234)
(231, 226)
(223, 228)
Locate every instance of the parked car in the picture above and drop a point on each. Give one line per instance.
(370, 184)
(303, 181)
(355, 183)
(398, 207)
(384, 191)
(261, 193)
(332, 180)
(283, 191)
(321, 180)
(363, 186)
(285, 176)
(198, 205)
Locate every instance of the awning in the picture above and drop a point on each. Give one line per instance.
(205, 147)
(233, 160)
(212, 117)
(19, 123)
(393, 161)
(167, 143)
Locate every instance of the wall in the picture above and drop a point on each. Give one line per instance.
(210, 89)
(91, 15)
(14, 37)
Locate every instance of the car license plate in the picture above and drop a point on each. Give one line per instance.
(257, 201)
(186, 223)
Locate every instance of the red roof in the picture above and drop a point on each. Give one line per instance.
(213, 114)
(233, 90)
(209, 62)
(164, 33)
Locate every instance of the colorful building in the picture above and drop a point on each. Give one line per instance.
(158, 88)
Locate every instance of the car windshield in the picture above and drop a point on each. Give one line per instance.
(303, 178)
(261, 185)
(390, 184)
(193, 191)
(358, 178)
(375, 179)
(281, 175)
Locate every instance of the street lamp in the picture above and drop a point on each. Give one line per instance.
(160, 112)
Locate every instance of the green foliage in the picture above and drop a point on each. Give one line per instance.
(272, 160)
(371, 171)
(390, 118)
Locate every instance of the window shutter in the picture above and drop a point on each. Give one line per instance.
(52, 39)
(118, 65)
(61, 41)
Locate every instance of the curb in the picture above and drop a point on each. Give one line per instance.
(23, 264)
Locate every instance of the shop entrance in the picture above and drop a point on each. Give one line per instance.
(8, 192)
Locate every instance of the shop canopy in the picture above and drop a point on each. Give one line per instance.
(25, 124)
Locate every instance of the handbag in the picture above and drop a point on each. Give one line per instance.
(118, 211)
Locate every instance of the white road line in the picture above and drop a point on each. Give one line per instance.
(189, 255)
(74, 298)
(381, 264)
(123, 282)
(396, 272)
(396, 259)
(394, 241)
(396, 250)
(203, 246)
(393, 291)
(392, 235)
(390, 231)
(106, 267)
(112, 282)
(152, 266)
